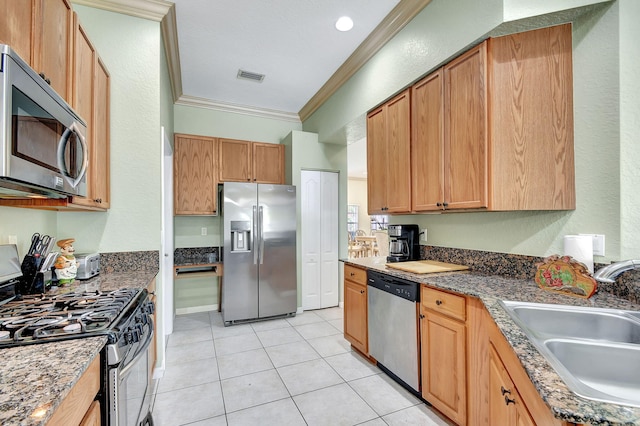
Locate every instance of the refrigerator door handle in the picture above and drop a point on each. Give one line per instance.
(261, 226)
(255, 235)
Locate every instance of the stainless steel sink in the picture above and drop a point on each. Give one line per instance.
(582, 323)
(595, 351)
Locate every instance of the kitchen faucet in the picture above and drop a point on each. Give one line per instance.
(609, 273)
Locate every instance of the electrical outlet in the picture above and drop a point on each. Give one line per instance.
(423, 235)
(598, 244)
(203, 230)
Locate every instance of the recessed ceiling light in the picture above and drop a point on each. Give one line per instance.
(344, 23)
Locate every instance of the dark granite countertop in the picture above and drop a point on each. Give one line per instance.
(490, 289)
(35, 379)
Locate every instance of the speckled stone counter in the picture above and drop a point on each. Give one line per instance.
(563, 403)
(35, 379)
(109, 282)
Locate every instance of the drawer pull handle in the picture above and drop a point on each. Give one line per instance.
(438, 302)
(503, 390)
(508, 401)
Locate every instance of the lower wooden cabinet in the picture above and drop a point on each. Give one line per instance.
(92, 417)
(506, 406)
(355, 308)
(443, 352)
(509, 397)
(78, 404)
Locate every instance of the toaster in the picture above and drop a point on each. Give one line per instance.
(88, 265)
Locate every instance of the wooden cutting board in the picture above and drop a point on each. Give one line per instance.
(426, 266)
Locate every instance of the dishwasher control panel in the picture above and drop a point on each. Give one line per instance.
(405, 289)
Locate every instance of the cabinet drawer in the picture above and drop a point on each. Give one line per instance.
(444, 303)
(356, 275)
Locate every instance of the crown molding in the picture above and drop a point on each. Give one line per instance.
(169, 28)
(197, 102)
(395, 21)
(154, 10)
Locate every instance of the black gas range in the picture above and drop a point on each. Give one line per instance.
(45, 318)
(124, 316)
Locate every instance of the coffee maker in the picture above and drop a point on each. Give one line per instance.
(403, 243)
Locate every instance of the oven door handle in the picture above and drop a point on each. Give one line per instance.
(141, 352)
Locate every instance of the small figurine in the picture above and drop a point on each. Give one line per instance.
(66, 265)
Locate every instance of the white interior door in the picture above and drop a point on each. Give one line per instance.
(319, 225)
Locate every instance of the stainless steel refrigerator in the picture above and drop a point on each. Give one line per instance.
(259, 255)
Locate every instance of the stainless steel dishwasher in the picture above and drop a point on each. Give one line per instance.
(393, 327)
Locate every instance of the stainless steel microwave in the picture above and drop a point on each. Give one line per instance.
(43, 146)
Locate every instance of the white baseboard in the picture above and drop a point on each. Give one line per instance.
(341, 305)
(196, 309)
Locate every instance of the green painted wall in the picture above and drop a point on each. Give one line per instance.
(606, 122)
(131, 49)
(22, 223)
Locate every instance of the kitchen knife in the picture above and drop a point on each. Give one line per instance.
(34, 242)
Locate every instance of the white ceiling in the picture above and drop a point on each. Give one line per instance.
(293, 42)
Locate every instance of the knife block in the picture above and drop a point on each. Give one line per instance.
(30, 266)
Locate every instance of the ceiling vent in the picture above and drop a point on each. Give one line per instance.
(247, 75)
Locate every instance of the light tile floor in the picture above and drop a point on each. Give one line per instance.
(294, 371)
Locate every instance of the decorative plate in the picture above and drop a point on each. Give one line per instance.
(566, 275)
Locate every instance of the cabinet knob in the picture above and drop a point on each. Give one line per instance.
(503, 390)
(361, 291)
(352, 274)
(438, 302)
(421, 316)
(438, 204)
(445, 204)
(508, 401)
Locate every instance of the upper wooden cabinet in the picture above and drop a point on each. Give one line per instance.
(388, 152)
(244, 161)
(41, 32)
(493, 129)
(88, 90)
(91, 100)
(17, 26)
(195, 180)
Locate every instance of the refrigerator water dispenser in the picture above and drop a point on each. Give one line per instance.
(240, 235)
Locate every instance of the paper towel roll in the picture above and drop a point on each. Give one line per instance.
(580, 247)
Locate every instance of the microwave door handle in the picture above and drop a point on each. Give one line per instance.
(255, 235)
(261, 221)
(64, 139)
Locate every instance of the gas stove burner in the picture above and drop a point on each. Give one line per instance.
(49, 317)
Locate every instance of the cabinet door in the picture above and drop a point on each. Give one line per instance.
(427, 143)
(506, 406)
(101, 186)
(234, 161)
(355, 315)
(465, 151)
(398, 141)
(54, 45)
(443, 353)
(17, 26)
(195, 185)
(82, 100)
(376, 161)
(268, 163)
